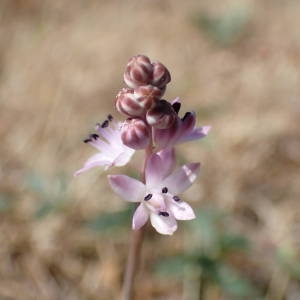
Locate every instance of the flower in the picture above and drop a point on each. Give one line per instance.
(158, 197)
(108, 141)
(182, 130)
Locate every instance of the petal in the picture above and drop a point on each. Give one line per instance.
(163, 225)
(182, 178)
(127, 188)
(181, 210)
(154, 171)
(96, 160)
(140, 217)
(124, 157)
(164, 138)
(168, 160)
(196, 134)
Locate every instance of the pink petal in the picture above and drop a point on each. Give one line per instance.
(196, 134)
(124, 158)
(163, 225)
(127, 188)
(154, 171)
(168, 160)
(96, 160)
(181, 210)
(182, 178)
(140, 217)
(188, 123)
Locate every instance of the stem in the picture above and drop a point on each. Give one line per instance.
(135, 246)
(132, 262)
(202, 287)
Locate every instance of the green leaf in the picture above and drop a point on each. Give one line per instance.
(44, 210)
(227, 28)
(171, 266)
(35, 183)
(4, 203)
(289, 260)
(229, 242)
(109, 221)
(205, 226)
(233, 283)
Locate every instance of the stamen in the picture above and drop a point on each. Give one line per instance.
(187, 114)
(164, 190)
(105, 124)
(94, 136)
(176, 106)
(176, 198)
(109, 117)
(148, 197)
(163, 213)
(87, 140)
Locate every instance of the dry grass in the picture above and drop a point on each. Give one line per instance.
(61, 64)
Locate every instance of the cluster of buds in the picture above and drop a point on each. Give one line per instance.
(154, 124)
(142, 101)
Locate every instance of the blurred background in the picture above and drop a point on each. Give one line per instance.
(236, 63)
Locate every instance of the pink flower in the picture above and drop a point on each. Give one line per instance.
(108, 141)
(158, 197)
(182, 130)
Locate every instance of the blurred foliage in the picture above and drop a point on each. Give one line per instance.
(210, 245)
(52, 193)
(289, 261)
(108, 222)
(4, 203)
(226, 29)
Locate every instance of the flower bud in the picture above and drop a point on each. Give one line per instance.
(147, 96)
(135, 133)
(138, 71)
(161, 75)
(127, 104)
(149, 90)
(162, 115)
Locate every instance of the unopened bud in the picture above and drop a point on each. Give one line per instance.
(149, 90)
(127, 104)
(161, 75)
(162, 115)
(138, 71)
(147, 96)
(135, 133)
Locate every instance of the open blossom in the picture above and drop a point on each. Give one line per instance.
(108, 141)
(183, 130)
(158, 196)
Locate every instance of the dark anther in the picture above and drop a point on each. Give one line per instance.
(176, 106)
(176, 198)
(87, 140)
(163, 213)
(187, 114)
(148, 197)
(164, 190)
(110, 118)
(105, 124)
(94, 136)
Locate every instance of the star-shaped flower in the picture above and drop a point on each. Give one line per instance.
(108, 141)
(158, 197)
